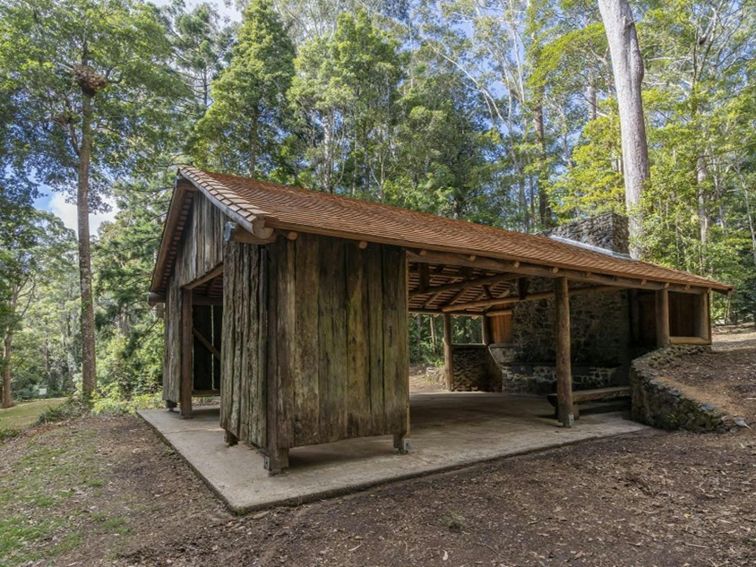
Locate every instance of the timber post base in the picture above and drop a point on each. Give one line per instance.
(230, 439)
(566, 414)
(401, 443)
(276, 461)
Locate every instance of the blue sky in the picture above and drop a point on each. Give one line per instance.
(56, 202)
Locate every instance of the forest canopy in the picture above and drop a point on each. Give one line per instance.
(502, 112)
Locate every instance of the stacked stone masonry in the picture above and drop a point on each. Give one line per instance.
(659, 403)
(608, 231)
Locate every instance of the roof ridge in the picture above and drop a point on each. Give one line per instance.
(221, 191)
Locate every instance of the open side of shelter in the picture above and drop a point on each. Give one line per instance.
(293, 306)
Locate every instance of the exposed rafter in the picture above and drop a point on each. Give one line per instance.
(467, 283)
(502, 301)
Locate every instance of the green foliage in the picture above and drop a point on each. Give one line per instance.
(131, 333)
(593, 184)
(344, 98)
(56, 49)
(243, 129)
(70, 409)
(111, 401)
(35, 249)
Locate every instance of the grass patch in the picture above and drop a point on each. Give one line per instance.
(112, 524)
(25, 414)
(16, 532)
(39, 520)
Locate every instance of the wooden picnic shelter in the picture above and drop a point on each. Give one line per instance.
(292, 305)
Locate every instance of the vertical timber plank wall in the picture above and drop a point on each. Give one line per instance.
(201, 247)
(243, 393)
(200, 250)
(171, 355)
(339, 356)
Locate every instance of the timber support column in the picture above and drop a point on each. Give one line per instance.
(187, 343)
(448, 352)
(662, 318)
(565, 410)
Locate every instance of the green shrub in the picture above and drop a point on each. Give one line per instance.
(6, 434)
(110, 401)
(71, 408)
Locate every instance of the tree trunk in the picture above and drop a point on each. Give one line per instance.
(7, 393)
(544, 211)
(627, 66)
(702, 172)
(253, 144)
(88, 371)
(590, 95)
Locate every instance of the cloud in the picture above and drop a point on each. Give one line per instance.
(67, 213)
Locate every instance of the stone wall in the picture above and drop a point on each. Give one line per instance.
(541, 378)
(601, 354)
(474, 370)
(659, 402)
(599, 330)
(608, 231)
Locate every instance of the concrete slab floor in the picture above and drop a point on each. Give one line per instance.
(448, 430)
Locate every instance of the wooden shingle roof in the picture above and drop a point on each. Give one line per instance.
(254, 203)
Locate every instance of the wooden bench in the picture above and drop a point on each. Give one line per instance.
(598, 395)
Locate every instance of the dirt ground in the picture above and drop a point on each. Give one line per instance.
(106, 491)
(426, 379)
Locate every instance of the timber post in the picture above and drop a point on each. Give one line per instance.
(448, 352)
(485, 330)
(662, 318)
(563, 352)
(187, 343)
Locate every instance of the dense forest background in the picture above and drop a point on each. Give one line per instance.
(498, 111)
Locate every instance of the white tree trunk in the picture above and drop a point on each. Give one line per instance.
(627, 66)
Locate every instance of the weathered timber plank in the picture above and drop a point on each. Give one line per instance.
(276, 451)
(358, 361)
(261, 371)
(305, 366)
(394, 348)
(187, 341)
(285, 332)
(171, 356)
(244, 328)
(201, 246)
(332, 331)
(374, 276)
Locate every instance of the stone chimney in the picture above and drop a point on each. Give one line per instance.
(608, 231)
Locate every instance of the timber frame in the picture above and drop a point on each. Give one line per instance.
(262, 251)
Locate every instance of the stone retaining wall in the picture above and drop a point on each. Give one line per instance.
(659, 402)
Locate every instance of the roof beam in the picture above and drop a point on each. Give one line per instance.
(502, 301)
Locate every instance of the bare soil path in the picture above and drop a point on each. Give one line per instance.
(106, 491)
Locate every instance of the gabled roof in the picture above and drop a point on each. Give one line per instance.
(254, 204)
